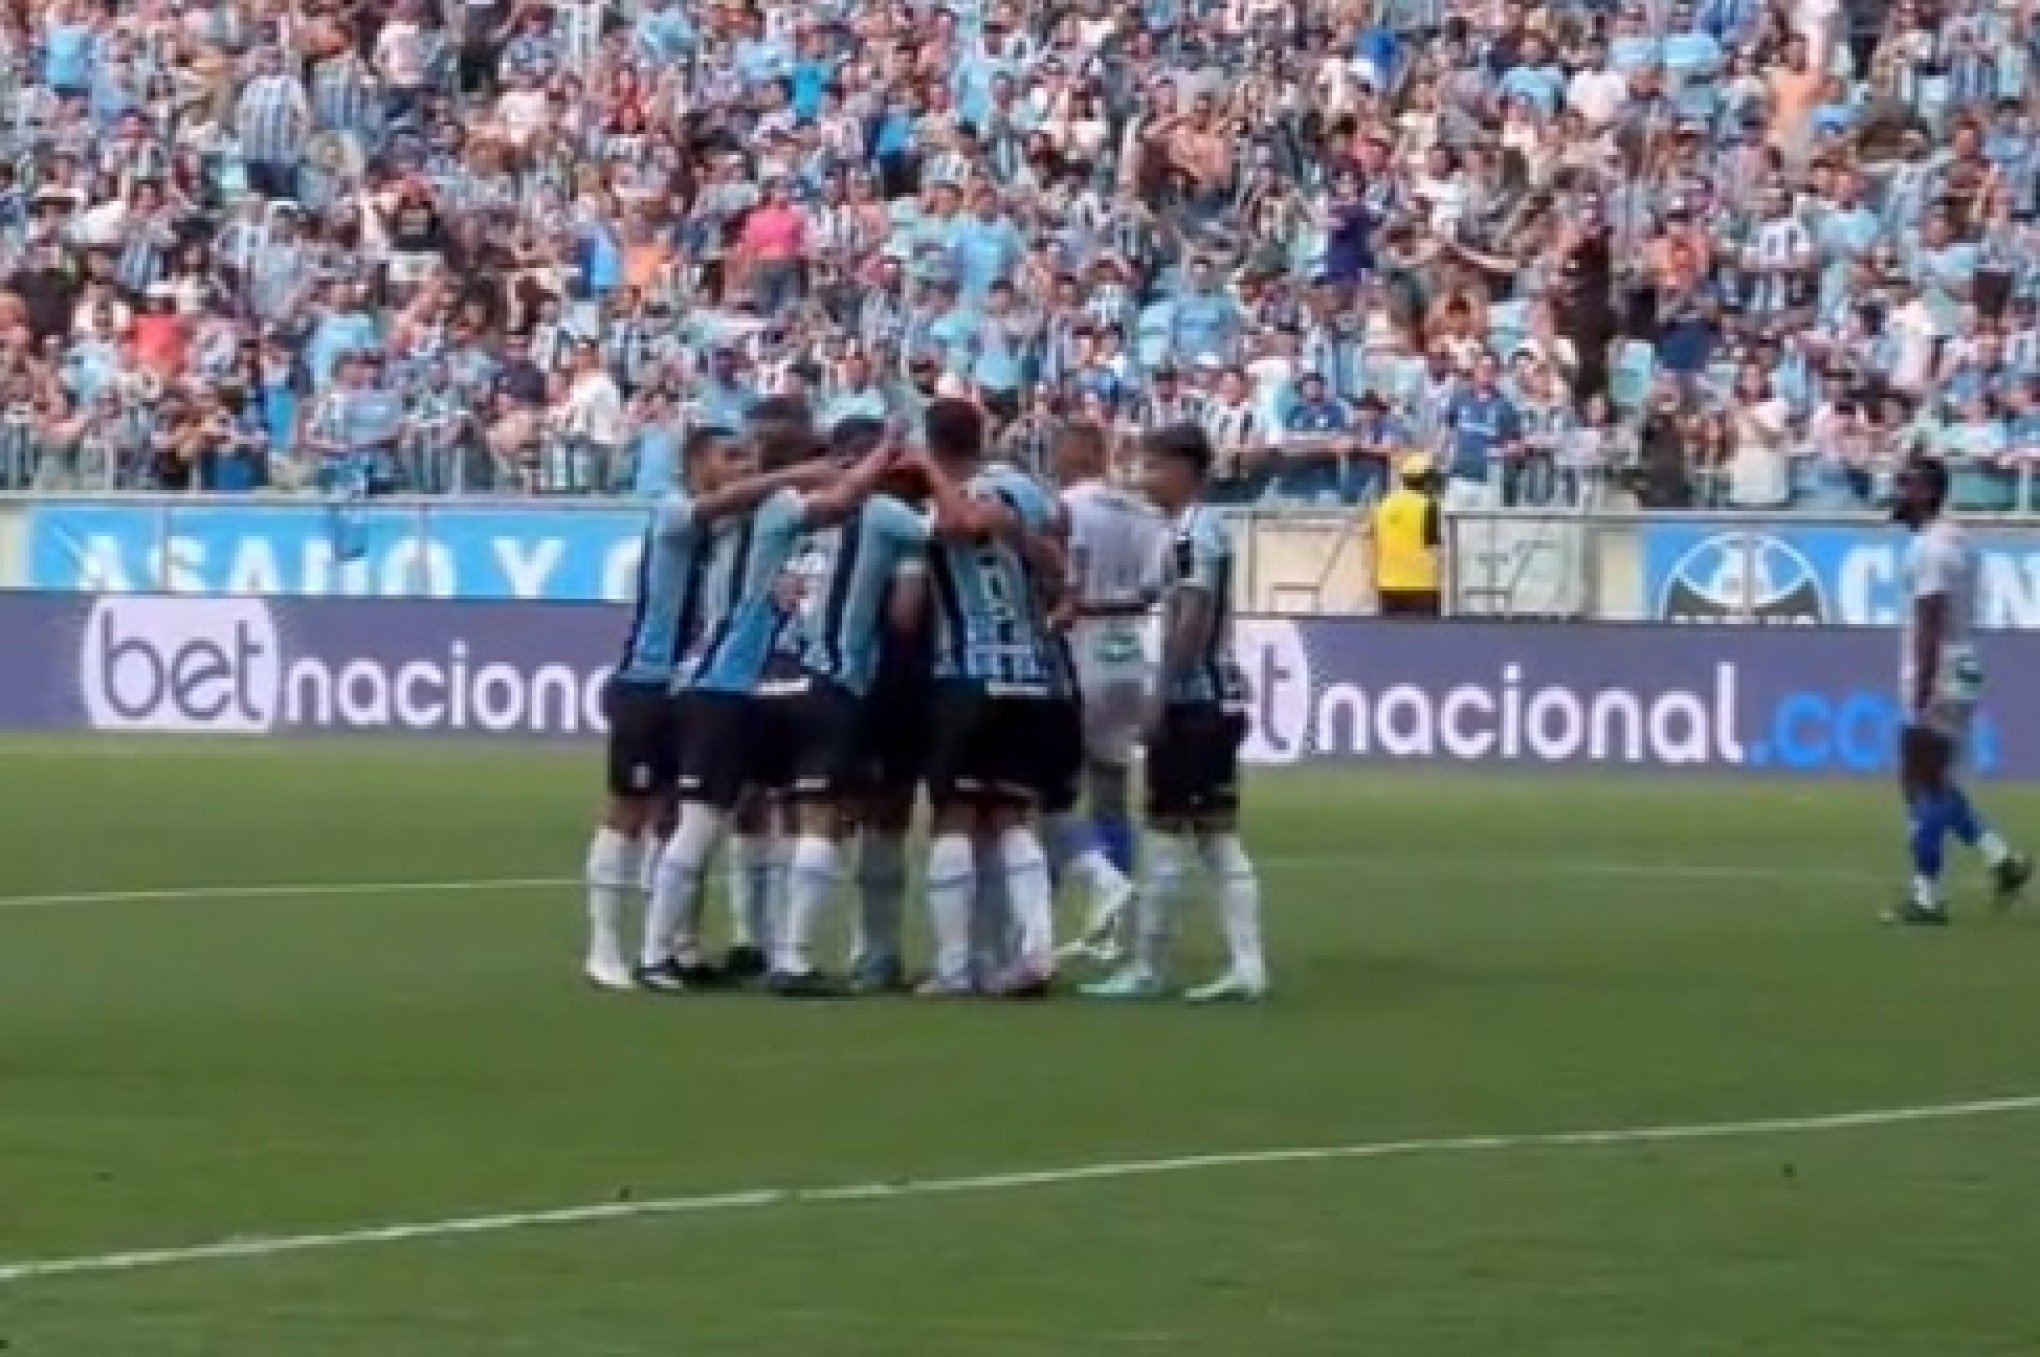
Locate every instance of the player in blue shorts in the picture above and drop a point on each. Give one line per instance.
(644, 725)
(736, 731)
(1194, 729)
(994, 682)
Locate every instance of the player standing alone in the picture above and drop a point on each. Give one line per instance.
(1941, 680)
(1195, 725)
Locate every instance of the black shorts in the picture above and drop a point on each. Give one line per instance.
(897, 724)
(819, 739)
(644, 738)
(1193, 766)
(713, 759)
(1060, 782)
(775, 740)
(984, 747)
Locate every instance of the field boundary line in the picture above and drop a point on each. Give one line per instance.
(1585, 869)
(761, 1198)
(280, 889)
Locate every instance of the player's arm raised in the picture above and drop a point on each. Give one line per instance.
(843, 489)
(963, 517)
(743, 495)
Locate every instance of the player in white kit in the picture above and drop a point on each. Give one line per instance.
(1940, 682)
(1116, 544)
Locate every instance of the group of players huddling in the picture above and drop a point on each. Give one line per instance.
(822, 631)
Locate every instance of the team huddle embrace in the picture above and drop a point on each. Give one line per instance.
(826, 633)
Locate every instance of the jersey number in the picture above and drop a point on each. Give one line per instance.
(1000, 605)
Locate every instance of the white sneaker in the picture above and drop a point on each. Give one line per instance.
(1100, 939)
(608, 972)
(1230, 988)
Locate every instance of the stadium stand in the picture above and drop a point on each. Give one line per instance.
(1728, 254)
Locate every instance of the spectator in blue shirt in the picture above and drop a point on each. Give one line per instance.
(1483, 427)
(1315, 444)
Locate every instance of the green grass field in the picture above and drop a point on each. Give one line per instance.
(1454, 956)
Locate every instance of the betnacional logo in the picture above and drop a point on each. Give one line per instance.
(223, 666)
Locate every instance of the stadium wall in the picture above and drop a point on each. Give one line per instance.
(1326, 690)
(1689, 567)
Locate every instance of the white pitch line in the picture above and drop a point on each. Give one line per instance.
(280, 889)
(1584, 868)
(752, 1199)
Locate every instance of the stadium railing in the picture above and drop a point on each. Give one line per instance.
(1687, 566)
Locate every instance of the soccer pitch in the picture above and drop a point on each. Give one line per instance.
(271, 996)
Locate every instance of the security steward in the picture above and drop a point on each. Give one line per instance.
(1407, 539)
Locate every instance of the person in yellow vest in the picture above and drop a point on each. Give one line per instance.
(1407, 538)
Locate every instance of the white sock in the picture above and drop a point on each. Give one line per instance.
(1993, 847)
(810, 887)
(1926, 892)
(952, 881)
(745, 863)
(1167, 863)
(649, 850)
(769, 888)
(881, 896)
(673, 919)
(1239, 905)
(614, 873)
(1028, 894)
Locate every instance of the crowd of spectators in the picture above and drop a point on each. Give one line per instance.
(1731, 253)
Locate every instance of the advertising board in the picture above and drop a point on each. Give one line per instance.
(1794, 700)
(1821, 574)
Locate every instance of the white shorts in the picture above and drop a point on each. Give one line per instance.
(1114, 675)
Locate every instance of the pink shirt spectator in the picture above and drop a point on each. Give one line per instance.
(775, 234)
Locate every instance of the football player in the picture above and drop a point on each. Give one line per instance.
(1940, 681)
(1195, 724)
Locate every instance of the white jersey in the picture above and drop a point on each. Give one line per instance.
(1115, 546)
(1117, 549)
(1939, 563)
